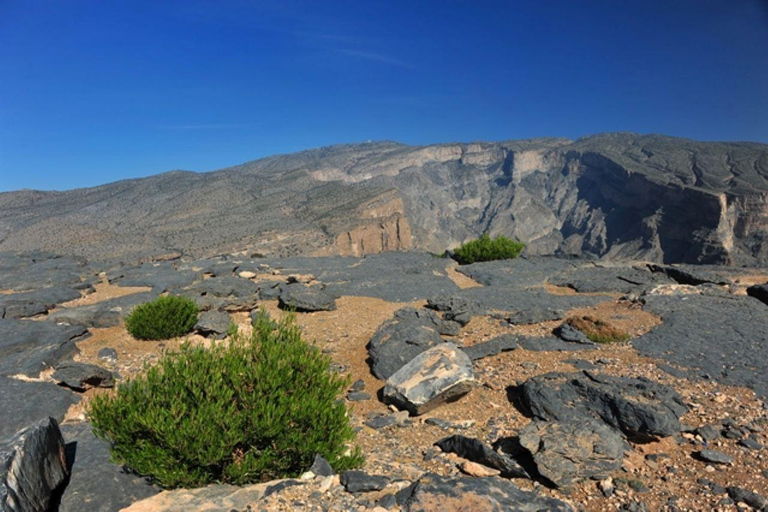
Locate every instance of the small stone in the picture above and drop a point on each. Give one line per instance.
(108, 354)
(358, 396)
(359, 481)
(478, 470)
(714, 457)
(321, 467)
(741, 495)
(358, 385)
(750, 444)
(606, 487)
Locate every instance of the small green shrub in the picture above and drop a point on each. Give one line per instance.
(596, 330)
(163, 318)
(487, 249)
(254, 409)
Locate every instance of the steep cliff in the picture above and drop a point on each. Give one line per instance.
(607, 196)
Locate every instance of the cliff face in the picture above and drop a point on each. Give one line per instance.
(609, 196)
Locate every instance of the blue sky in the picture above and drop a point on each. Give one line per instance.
(93, 91)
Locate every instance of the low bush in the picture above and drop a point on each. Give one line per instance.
(163, 318)
(254, 409)
(486, 248)
(596, 330)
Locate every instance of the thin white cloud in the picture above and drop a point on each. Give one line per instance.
(376, 57)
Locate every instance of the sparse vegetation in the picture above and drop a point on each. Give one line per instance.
(486, 248)
(163, 318)
(254, 409)
(596, 330)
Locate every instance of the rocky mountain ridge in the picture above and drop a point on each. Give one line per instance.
(610, 196)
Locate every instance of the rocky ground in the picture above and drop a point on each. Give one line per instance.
(537, 417)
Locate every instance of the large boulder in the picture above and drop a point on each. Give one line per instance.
(95, 483)
(28, 347)
(434, 493)
(397, 341)
(441, 374)
(565, 452)
(304, 298)
(224, 293)
(33, 464)
(638, 407)
(213, 324)
(82, 376)
(24, 403)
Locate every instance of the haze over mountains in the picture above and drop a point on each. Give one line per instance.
(610, 196)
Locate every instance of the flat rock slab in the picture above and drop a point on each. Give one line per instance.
(25, 403)
(397, 341)
(306, 299)
(161, 277)
(495, 346)
(610, 279)
(108, 313)
(213, 324)
(82, 376)
(41, 270)
(26, 304)
(522, 272)
(28, 347)
(434, 493)
(703, 274)
(96, 484)
(390, 276)
(439, 375)
(525, 302)
(638, 407)
(566, 452)
(477, 451)
(723, 337)
(32, 465)
(224, 293)
(549, 343)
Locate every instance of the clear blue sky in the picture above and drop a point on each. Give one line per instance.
(93, 91)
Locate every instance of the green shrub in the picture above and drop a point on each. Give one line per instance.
(254, 409)
(487, 249)
(163, 318)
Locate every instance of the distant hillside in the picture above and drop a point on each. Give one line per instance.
(610, 195)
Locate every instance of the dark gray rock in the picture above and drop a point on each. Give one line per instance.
(304, 298)
(108, 354)
(638, 407)
(224, 293)
(609, 279)
(321, 467)
(714, 457)
(95, 483)
(32, 465)
(358, 385)
(543, 344)
(580, 364)
(397, 341)
(754, 500)
(269, 290)
(567, 332)
(387, 420)
(26, 304)
(82, 376)
(723, 337)
(492, 347)
(565, 452)
(455, 308)
(359, 481)
(708, 433)
(213, 324)
(522, 272)
(535, 315)
(750, 444)
(358, 396)
(28, 347)
(699, 274)
(477, 451)
(161, 277)
(434, 492)
(760, 292)
(24, 403)
(108, 313)
(34, 271)
(438, 375)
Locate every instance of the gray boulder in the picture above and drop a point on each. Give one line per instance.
(306, 298)
(224, 293)
(565, 452)
(638, 407)
(439, 375)
(28, 347)
(433, 492)
(33, 465)
(397, 341)
(477, 451)
(82, 376)
(213, 324)
(24, 403)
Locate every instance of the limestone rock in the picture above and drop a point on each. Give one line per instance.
(441, 374)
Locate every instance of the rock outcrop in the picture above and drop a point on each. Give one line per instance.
(612, 196)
